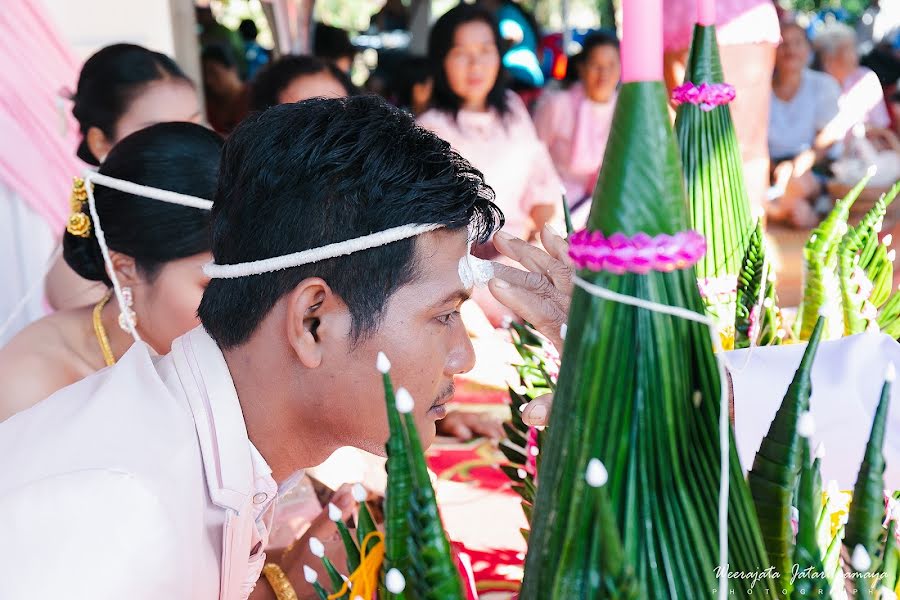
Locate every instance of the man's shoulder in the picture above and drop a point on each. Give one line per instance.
(100, 533)
(112, 419)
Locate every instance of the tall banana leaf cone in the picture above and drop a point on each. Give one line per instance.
(864, 526)
(399, 483)
(714, 175)
(639, 390)
(776, 467)
(433, 573)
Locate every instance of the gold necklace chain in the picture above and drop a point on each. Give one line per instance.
(100, 331)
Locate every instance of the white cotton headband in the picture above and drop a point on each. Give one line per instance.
(144, 191)
(472, 270)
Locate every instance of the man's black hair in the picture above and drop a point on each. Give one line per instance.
(275, 77)
(321, 171)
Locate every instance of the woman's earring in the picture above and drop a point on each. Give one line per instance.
(127, 313)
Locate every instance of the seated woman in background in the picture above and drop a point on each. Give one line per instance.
(802, 128)
(295, 78)
(487, 124)
(574, 124)
(157, 250)
(862, 98)
(121, 88)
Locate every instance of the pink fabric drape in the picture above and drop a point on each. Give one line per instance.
(38, 135)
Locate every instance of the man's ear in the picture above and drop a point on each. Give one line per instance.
(311, 316)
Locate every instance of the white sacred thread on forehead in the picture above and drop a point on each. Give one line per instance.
(314, 255)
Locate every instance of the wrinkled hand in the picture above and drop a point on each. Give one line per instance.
(465, 425)
(540, 295)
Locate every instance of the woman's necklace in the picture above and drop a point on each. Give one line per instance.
(100, 331)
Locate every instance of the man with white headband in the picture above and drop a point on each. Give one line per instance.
(339, 230)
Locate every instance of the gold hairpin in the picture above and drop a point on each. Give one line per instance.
(79, 223)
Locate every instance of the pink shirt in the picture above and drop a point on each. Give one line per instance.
(506, 149)
(862, 101)
(737, 22)
(575, 130)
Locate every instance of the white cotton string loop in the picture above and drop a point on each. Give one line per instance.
(138, 190)
(313, 255)
(683, 313)
(148, 192)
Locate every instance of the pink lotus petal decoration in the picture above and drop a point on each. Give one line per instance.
(636, 254)
(711, 287)
(707, 95)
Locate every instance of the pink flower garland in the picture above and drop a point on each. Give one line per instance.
(706, 95)
(637, 254)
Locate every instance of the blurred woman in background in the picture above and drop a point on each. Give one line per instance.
(122, 88)
(157, 250)
(487, 124)
(575, 123)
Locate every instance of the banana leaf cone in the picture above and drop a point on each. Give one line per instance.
(640, 391)
(860, 254)
(756, 322)
(864, 525)
(776, 467)
(434, 575)
(821, 288)
(714, 177)
(398, 488)
(811, 579)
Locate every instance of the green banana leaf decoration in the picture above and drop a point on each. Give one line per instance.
(861, 256)
(535, 380)
(766, 325)
(776, 467)
(600, 545)
(890, 561)
(867, 510)
(434, 574)
(399, 485)
(821, 288)
(808, 556)
(714, 176)
(639, 390)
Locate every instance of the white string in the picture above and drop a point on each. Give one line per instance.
(90, 177)
(36, 285)
(148, 192)
(313, 255)
(683, 313)
(104, 250)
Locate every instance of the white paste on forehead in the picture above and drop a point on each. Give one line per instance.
(474, 271)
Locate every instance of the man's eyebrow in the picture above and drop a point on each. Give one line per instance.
(459, 295)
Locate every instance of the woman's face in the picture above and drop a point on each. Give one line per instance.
(793, 52)
(842, 62)
(160, 101)
(473, 63)
(599, 73)
(166, 306)
(317, 85)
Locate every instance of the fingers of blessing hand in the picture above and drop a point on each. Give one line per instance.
(537, 412)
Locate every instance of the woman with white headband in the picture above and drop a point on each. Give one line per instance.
(156, 251)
